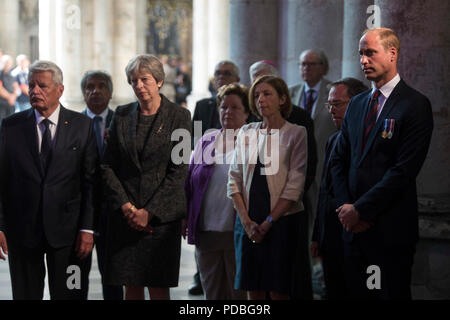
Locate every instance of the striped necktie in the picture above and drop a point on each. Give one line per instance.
(310, 101)
(371, 118)
(46, 145)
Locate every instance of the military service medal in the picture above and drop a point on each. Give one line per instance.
(391, 128)
(384, 134)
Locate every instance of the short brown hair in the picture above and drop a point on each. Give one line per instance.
(280, 87)
(388, 38)
(234, 88)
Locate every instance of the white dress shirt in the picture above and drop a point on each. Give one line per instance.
(386, 91)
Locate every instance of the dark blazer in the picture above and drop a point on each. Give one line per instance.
(381, 179)
(206, 112)
(302, 118)
(154, 183)
(65, 192)
(327, 227)
(100, 204)
(108, 119)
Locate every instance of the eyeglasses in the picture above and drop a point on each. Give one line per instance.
(224, 73)
(336, 105)
(308, 64)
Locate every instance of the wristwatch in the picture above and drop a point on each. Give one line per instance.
(269, 219)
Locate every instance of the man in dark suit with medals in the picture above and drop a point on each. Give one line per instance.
(383, 144)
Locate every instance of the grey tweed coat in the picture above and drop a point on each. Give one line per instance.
(153, 182)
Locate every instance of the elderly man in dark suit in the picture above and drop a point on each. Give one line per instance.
(97, 89)
(384, 141)
(47, 169)
(206, 112)
(327, 233)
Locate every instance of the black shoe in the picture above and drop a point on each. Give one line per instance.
(196, 287)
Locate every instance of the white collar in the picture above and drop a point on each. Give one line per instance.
(388, 87)
(91, 115)
(53, 117)
(316, 87)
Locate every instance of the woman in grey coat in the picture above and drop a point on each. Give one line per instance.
(144, 186)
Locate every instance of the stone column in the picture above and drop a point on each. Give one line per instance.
(60, 42)
(103, 45)
(423, 28)
(9, 26)
(356, 20)
(310, 24)
(200, 54)
(254, 30)
(126, 45)
(218, 33)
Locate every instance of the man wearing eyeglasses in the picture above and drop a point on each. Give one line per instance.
(311, 95)
(206, 112)
(327, 233)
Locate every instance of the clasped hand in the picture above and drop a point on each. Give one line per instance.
(255, 232)
(137, 218)
(349, 217)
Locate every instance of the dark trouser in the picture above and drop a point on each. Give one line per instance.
(301, 288)
(333, 271)
(394, 262)
(27, 271)
(110, 292)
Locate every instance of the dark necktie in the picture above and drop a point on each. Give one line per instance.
(46, 145)
(309, 101)
(98, 133)
(371, 118)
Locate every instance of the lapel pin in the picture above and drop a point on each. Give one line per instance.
(66, 122)
(159, 129)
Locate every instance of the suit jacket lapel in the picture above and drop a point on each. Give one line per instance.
(361, 124)
(108, 118)
(384, 113)
(129, 134)
(60, 140)
(32, 139)
(319, 104)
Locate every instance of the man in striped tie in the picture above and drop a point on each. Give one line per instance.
(384, 141)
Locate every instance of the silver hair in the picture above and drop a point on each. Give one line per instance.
(322, 58)
(148, 63)
(96, 74)
(234, 67)
(43, 66)
(259, 66)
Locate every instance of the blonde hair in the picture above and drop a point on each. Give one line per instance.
(388, 38)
